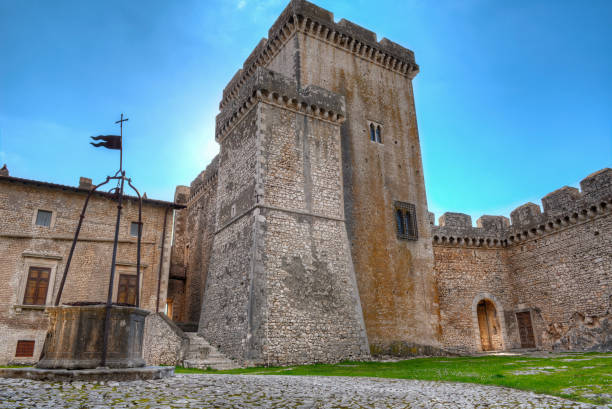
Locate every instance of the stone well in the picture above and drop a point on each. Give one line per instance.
(76, 335)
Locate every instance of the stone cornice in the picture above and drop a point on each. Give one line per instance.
(309, 19)
(275, 89)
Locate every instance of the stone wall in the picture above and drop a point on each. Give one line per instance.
(313, 310)
(23, 244)
(281, 287)
(554, 264)
(224, 320)
(164, 343)
(395, 277)
(194, 230)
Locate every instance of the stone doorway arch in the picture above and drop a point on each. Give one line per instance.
(489, 323)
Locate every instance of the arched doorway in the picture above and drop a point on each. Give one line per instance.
(488, 324)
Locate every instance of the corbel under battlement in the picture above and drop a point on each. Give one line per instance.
(276, 89)
(303, 16)
(204, 180)
(562, 208)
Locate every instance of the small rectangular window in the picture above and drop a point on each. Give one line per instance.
(25, 349)
(43, 218)
(134, 229)
(405, 221)
(37, 285)
(126, 293)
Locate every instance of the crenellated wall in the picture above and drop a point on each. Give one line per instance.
(282, 228)
(554, 264)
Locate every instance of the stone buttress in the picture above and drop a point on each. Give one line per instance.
(281, 287)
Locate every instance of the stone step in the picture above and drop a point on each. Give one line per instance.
(200, 354)
(220, 365)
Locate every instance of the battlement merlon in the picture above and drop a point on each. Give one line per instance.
(276, 89)
(561, 207)
(301, 15)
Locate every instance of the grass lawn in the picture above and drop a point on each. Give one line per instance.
(585, 377)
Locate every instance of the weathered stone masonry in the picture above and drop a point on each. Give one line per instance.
(24, 244)
(555, 265)
(290, 237)
(280, 283)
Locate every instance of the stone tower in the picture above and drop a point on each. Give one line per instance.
(322, 230)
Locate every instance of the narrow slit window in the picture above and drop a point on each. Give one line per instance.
(43, 218)
(378, 134)
(399, 220)
(372, 133)
(408, 224)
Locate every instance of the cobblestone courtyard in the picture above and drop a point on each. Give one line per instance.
(247, 391)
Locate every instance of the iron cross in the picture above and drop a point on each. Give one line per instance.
(120, 122)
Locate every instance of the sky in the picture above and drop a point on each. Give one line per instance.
(514, 99)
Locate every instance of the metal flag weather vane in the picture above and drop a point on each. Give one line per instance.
(110, 142)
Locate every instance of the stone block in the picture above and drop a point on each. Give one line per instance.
(560, 201)
(525, 215)
(493, 223)
(76, 337)
(597, 186)
(457, 220)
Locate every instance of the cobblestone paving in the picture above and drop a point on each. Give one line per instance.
(244, 391)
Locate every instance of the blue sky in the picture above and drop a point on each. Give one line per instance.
(514, 99)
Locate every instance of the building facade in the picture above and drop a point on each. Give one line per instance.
(37, 225)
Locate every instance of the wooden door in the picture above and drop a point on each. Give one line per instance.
(483, 325)
(525, 329)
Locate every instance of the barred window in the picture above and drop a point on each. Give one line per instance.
(25, 349)
(43, 218)
(405, 221)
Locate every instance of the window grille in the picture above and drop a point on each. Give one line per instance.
(43, 218)
(405, 221)
(25, 349)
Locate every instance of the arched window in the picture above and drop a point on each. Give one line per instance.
(399, 219)
(372, 133)
(378, 136)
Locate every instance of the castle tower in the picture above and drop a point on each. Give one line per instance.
(302, 193)
(280, 287)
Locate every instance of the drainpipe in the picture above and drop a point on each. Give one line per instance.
(161, 258)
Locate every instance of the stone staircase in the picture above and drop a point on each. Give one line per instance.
(200, 354)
